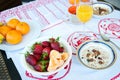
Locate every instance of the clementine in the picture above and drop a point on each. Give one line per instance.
(72, 9)
(73, 1)
(14, 37)
(23, 27)
(13, 22)
(85, 0)
(4, 30)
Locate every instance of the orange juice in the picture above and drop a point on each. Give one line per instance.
(84, 13)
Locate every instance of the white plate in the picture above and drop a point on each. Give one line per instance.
(35, 30)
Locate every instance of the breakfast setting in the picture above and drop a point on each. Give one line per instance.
(60, 40)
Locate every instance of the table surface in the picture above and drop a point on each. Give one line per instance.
(52, 16)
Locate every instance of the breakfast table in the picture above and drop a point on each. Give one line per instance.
(52, 18)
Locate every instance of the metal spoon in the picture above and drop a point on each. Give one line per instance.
(105, 38)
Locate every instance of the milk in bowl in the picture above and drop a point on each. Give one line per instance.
(96, 54)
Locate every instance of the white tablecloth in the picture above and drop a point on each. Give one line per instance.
(51, 16)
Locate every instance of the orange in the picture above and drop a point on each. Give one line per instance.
(72, 9)
(13, 22)
(23, 27)
(85, 0)
(4, 30)
(14, 37)
(73, 1)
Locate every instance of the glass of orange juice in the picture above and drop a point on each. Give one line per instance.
(84, 11)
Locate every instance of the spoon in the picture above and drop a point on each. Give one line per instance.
(105, 38)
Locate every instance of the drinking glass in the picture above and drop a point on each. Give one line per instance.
(84, 10)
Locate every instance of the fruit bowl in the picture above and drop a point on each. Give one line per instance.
(46, 56)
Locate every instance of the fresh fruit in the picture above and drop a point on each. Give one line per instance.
(31, 60)
(46, 50)
(55, 45)
(14, 37)
(13, 22)
(52, 40)
(38, 49)
(74, 1)
(37, 56)
(61, 49)
(4, 30)
(41, 66)
(38, 67)
(1, 38)
(85, 0)
(45, 56)
(41, 54)
(45, 43)
(72, 9)
(23, 27)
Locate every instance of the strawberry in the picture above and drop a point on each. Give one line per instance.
(47, 50)
(55, 45)
(45, 43)
(45, 56)
(37, 49)
(41, 67)
(38, 67)
(52, 40)
(31, 60)
(61, 49)
(37, 56)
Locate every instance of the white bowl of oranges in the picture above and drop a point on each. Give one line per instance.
(15, 33)
(13, 30)
(46, 56)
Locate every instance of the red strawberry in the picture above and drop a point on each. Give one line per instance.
(52, 40)
(31, 60)
(45, 56)
(37, 56)
(55, 45)
(38, 49)
(38, 67)
(45, 43)
(41, 68)
(47, 50)
(61, 49)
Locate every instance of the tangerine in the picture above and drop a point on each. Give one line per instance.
(72, 9)
(85, 0)
(14, 37)
(73, 1)
(13, 22)
(4, 30)
(23, 27)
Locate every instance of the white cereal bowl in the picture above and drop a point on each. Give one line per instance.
(96, 54)
(30, 69)
(104, 6)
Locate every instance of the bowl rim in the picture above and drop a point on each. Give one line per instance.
(25, 64)
(101, 41)
(104, 3)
